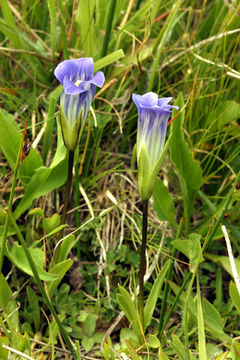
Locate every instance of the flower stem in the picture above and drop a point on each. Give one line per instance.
(68, 185)
(66, 200)
(143, 260)
(41, 287)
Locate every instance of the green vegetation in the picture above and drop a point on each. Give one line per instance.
(69, 289)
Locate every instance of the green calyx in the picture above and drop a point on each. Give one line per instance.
(70, 133)
(147, 172)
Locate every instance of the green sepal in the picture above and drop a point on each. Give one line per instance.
(147, 173)
(70, 133)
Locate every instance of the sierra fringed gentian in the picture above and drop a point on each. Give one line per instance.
(153, 115)
(79, 87)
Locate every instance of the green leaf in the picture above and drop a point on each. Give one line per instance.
(129, 334)
(8, 305)
(10, 138)
(225, 262)
(45, 179)
(90, 324)
(33, 301)
(225, 112)
(190, 248)
(66, 247)
(87, 343)
(153, 341)
(109, 59)
(130, 311)
(163, 203)
(60, 269)
(188, 170)
(49, 224)
(178, 346)
(213, 321)
(19, 259)
(154, 295)
(235, 297)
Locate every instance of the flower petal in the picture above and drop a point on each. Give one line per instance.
(148, 100)
(98, 79)
(70, 88)
(76, 69)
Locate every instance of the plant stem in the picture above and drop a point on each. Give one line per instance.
(169, 277)
(143, 260)
(68, 185)
(66, 201)
(109, 27)
(41, 287)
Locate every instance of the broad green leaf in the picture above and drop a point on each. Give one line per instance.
(60, 269)
(129, 309)
(154, 295)
(190, 248)
(178, 346)
(129, 334)
(225, 262)
(87, 343)
(213, 321)
(225, 112)
(163, 203)
(10, 138)
(19, 259)
(235, 297)
(8, 305)
(49, 224)
(43, 181)
(188, 169)
(153, 341)
(90, 324)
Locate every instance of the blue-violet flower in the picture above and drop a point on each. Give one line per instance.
(79, 87)
(153, 115)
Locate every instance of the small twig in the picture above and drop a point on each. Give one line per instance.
(231, 258)
(17, 352)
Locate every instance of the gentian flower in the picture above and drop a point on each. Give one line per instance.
(153, 115)
(79, 87)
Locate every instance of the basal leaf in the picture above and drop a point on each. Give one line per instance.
(188, 169)
(163, 203)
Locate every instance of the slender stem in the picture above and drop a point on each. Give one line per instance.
(169, 277)
(68, 186)
(5, 230)
(143, 260)
(76, 204)
(41, 287)
(109, 27)
(66, 201)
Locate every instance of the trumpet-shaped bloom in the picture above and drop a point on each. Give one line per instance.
(79, 87)
(153, 115)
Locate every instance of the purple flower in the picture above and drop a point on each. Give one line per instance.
(153, 115)
(79, 87)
